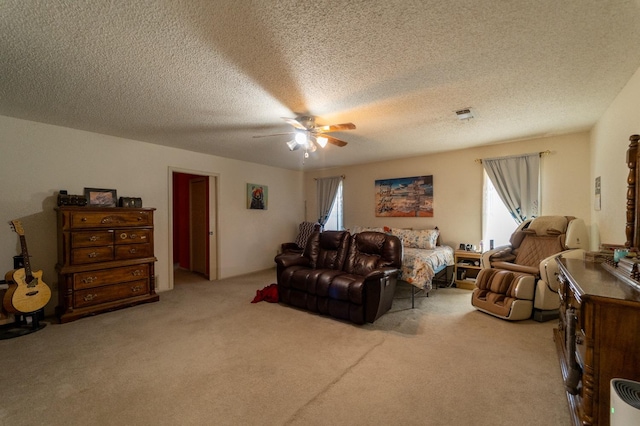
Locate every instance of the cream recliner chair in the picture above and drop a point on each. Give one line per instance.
(520, 280)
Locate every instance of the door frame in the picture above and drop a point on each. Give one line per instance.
(214, 246)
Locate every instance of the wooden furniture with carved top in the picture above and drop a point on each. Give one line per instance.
(598, 336)
(105, 260)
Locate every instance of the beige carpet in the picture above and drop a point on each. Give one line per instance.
(204, 355)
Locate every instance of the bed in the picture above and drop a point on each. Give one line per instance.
(423, 260)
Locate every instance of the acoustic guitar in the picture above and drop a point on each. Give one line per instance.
(27, 292)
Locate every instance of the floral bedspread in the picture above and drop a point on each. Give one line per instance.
(419, 265)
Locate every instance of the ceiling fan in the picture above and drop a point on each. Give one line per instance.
(309, 136)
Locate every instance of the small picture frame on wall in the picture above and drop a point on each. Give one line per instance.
(98, 197)
(257, 196)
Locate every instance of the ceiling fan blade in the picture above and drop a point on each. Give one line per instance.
(334, 141)
(274, 134)
(335, 127)
(295, 123)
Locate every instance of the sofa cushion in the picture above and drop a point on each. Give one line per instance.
(372, 250)
(347, 287)
(330, 250)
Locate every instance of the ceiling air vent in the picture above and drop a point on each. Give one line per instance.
(464, 114)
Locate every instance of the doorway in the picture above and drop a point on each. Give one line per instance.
(193, 220)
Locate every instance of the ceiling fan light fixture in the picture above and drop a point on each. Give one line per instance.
(301, 138)
(322, 141)
(292, 144)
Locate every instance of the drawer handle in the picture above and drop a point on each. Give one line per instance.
(132, 251)
(136, 288)
(123, 236)
(84, 219)
(113, 219)
(136, 273)
(93, 238)
(90, 297)
(134, 236)
(89, 280)
(93, 254)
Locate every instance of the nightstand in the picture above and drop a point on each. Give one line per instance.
(466, 268)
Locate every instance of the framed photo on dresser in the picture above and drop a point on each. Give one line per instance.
(101, 197)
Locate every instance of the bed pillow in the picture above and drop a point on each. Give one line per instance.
(421, 239)
(426, 238)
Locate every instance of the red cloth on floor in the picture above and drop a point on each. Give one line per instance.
(268, 294)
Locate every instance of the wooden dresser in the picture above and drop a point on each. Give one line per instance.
(105, 260)
(600, 318)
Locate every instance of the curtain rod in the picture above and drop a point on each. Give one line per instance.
(342, 176)
(541, 153)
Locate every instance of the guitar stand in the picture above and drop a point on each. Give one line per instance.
(24, 324)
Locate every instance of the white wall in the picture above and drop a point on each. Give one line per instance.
(37, 160)
(609, 143)
(457, 181)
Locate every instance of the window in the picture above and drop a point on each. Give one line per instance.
(334, 223)
(497, 222)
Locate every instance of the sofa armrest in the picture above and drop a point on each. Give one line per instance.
(381, 273)
(291, 247)
(290, 259)
(380, 287)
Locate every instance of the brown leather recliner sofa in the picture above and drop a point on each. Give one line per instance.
(350, 277)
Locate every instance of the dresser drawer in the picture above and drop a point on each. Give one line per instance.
(90, 239)
(133, 251)
(133, 236)
(89, 219)
(91, 255)
(110, 293)
(103, 277)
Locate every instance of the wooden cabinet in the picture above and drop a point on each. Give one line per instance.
(105, 260)
(466, 268)
(598, 336)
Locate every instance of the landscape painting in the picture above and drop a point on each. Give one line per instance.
(405, 197)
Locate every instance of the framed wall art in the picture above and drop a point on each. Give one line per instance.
(101, 197)
(257, 196)
(405, 197)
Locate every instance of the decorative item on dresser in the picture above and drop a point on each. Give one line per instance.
(105, 260)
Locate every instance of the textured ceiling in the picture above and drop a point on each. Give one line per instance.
(207, 76)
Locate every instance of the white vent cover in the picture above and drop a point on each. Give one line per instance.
(625, 402)
(464, 114)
